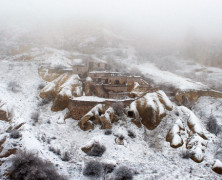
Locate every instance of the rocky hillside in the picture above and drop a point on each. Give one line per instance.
(156, 136)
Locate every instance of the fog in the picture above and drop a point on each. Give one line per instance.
(168, 18)
(157, 25)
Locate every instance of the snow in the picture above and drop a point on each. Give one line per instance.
(95, 98)
(167, 78)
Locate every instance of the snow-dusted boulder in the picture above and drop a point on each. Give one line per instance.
(217, 166)
(197, 145)
(193, 123)
(101, 114)
(174, 136)
(151, 108)
(61, 89)
(188, 128)
(51, 89)
(4, 112)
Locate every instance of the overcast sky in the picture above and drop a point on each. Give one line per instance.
(174, 17)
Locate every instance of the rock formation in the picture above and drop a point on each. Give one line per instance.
(193, 134)
(217, 166)
(61, 89)
(101, 114)
(150, 109)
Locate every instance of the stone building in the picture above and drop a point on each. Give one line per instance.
(115, 84)
(79, 107)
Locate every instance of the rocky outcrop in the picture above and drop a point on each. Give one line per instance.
(191, 96)
(101, 114)
(173, 135)
(150, 109)
(188, 128)
(61, 90)
(197, 145)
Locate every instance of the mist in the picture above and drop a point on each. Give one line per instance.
(157, 26)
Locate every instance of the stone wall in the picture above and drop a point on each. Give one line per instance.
(79, 108)
(116, 88)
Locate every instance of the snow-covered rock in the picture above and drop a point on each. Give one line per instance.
(4, 112)
(100, 114)
(217, 166)
(173, 135)
(151, 108)
(61, 89)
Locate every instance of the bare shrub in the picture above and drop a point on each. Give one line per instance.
(108, 132)
(15, 134)
(66, 156)
(93, 169)
(35, 117)
(14, 87)
(186, 154)
(55, 151)
(131, 134)
(118, 108)
(28, 166)
(41, 86)
(108, 168)
(213, 126)
(96, 150)
(123, 173)
(44, 101)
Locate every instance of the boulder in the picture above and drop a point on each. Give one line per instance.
(217, 166)
(151, 108)
(173, 136)
(4, 113)
(100, 114)
(197, 145)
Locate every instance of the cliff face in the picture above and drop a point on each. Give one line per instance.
(191, 96)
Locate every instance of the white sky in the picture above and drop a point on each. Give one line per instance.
(160, 16)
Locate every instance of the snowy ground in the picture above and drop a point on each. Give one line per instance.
(148, 154)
